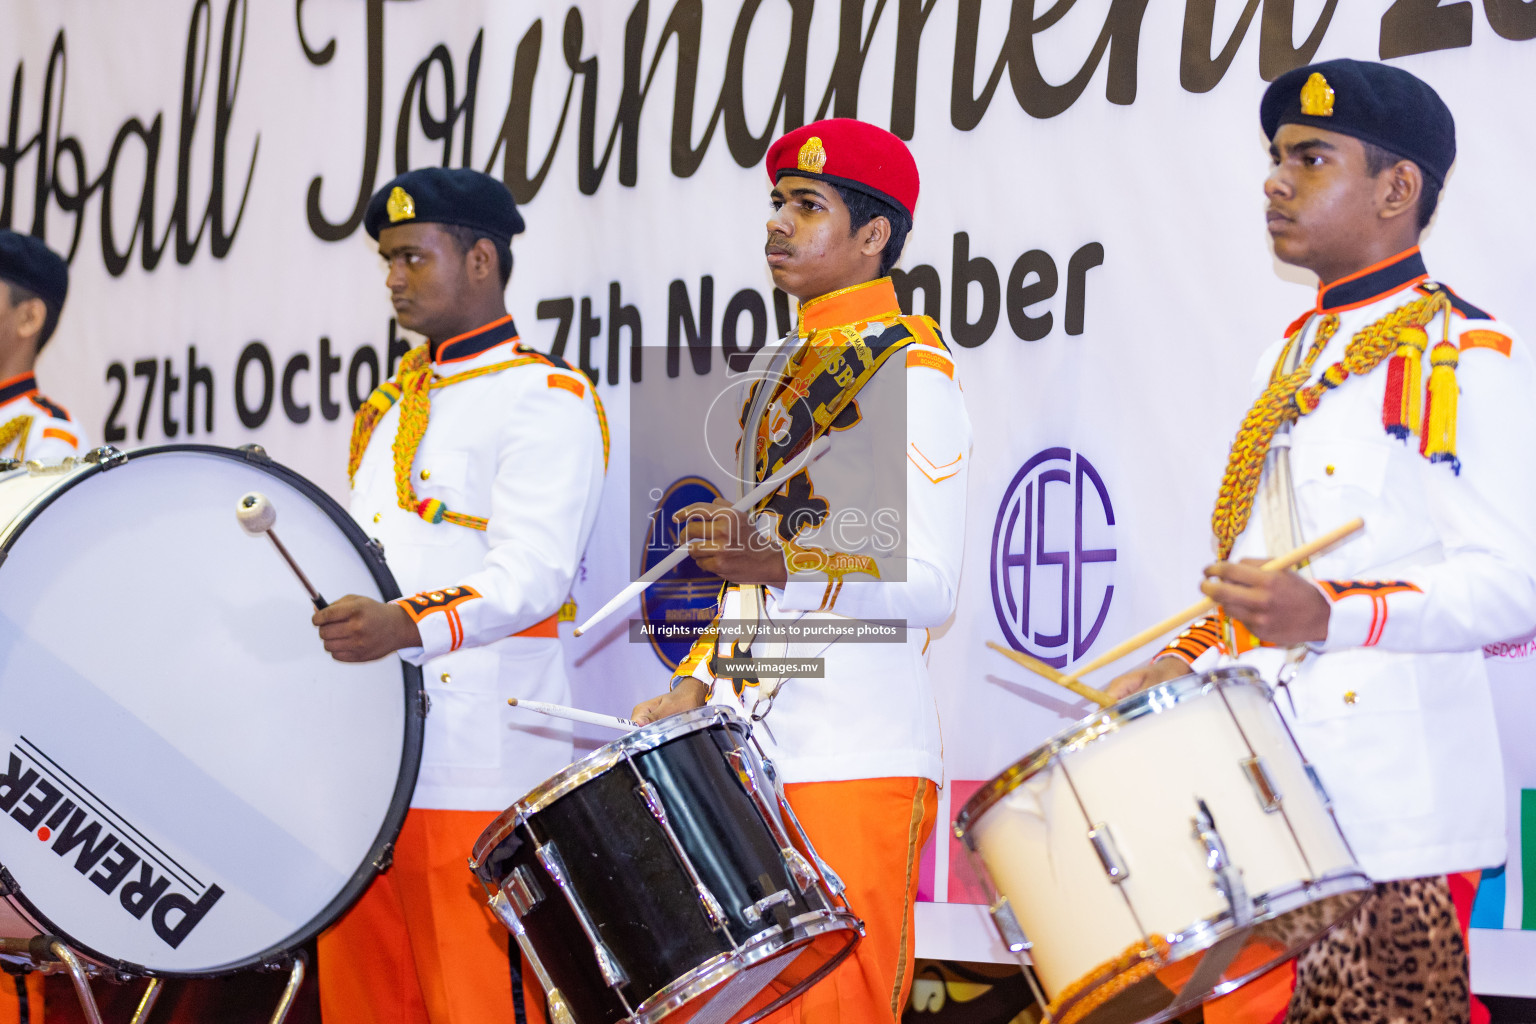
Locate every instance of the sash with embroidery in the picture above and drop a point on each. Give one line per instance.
(817, 390)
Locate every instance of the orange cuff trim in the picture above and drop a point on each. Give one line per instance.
(1339, 589)
(575, 387)
(1500, 343)
(446, 601)
(74, 442)
(1199, 637)
(1377, 591)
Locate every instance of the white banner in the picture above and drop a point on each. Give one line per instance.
(1090, 237)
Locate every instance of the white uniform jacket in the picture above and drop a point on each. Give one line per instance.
(1395, 711)
(873, 714)
(46, 433)
(524, 448)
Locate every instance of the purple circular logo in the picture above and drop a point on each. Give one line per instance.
(1055, 527)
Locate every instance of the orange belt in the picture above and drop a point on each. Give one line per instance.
(549, 627)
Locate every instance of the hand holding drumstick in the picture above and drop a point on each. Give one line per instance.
(1269, 598)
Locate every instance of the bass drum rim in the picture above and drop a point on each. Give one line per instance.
(380, 850)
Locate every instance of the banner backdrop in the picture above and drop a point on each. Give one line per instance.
(1090, 236)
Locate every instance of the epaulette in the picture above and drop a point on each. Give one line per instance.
(555, 361)
(1460, 305)
(925, 331)
(53, 409)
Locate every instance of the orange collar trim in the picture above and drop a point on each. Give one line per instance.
(872, 300)
(1374, 282)
(472, 343)
(17, 386)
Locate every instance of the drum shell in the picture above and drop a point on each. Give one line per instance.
(625, 873)
(168, 590)
(1143, 780)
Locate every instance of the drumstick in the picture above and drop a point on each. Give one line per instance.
(1289, 560)
(1099, 697)
(573, 714)
(256, 515)
(682, 551)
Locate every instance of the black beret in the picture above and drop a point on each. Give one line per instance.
(444, 195)
(27, 262)
(1375, 103)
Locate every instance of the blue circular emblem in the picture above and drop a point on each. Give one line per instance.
(679, 606)
(1054, 527)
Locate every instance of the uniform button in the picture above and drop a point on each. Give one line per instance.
(426, 474)
(446, 678)
(1350, 697)
(1328, 470)
(377, 516)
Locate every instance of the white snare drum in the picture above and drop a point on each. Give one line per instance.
(189, 784)
(1165, 850)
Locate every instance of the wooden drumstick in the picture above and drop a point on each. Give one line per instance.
(573, 714)
(1099, 697)
(256, 515)
(682, 551)
(1289, 560)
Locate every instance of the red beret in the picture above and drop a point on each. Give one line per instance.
(852, 154)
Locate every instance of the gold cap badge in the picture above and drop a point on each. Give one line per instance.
(400, 206)
(812, 157)
(1317, 96)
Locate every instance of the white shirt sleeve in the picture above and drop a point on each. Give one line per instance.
(921, 586)
(549, 475)
(1484, 588)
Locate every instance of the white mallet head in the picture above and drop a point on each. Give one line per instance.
(256, 514)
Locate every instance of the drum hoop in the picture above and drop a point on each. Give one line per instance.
(1200, 935)
(719, 969)
(599, 762)
(380, 852)
(1151, 701)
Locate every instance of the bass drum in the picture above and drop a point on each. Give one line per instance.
(189, 784)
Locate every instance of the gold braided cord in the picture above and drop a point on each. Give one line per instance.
(16, 430)
(414, 382)
(1290, 396)
(1240, 483)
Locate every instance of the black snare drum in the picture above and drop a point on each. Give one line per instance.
(658, 872)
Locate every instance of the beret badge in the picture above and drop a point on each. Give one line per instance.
(400, 206)
(812, 156)
(1317, 96)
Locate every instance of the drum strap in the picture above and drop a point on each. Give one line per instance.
(16, 430)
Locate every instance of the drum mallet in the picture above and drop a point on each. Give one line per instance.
(256, 515)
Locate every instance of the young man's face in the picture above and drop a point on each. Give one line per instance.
(1324, 205)
(427, 277)
(810, 250)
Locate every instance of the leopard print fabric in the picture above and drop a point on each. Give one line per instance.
(1400, 960)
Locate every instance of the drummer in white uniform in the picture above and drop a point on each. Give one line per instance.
(35, 281)
(479, 467)
(873, 530)
(1396, 400)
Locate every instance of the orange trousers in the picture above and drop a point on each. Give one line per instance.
(10, 1009)
(871, 832)
(421, 946)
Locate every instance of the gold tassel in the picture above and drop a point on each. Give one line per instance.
(1439, 439)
